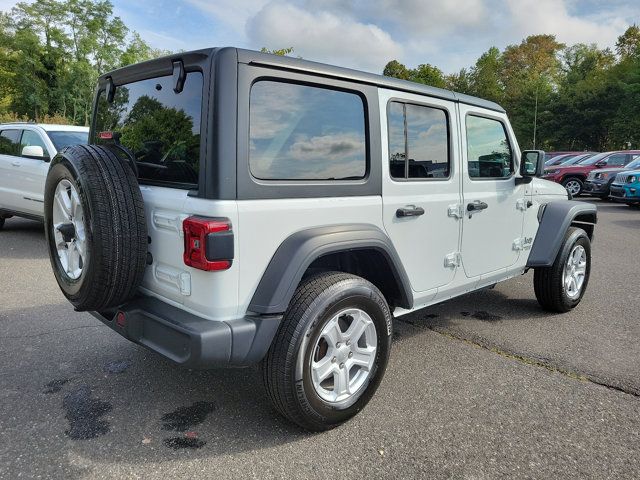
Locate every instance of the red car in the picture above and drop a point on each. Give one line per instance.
(572, 177)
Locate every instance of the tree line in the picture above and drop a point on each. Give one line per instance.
(52, 52)
(558, 97)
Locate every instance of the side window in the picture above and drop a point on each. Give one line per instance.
(418, 142)
(488, 149)
(299, 132)
(30, 138)
(617, 160)
(9, 142)
(161, 127)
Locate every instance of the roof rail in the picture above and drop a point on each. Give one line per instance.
(28, 122)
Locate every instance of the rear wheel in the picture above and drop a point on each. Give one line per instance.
(95, 227)
(560, 287)
(573, 185)
(330, 352)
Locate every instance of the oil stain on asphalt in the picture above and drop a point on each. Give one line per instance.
(54, 386)
(83, 412)
(183, 419)
(117, 366)
(482, 315)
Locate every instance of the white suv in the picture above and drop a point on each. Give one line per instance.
(239, 208)
(25, 152)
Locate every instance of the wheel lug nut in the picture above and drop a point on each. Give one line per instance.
(338, 345)
(350, 354)
(333, 360)
(348, 343)
(342, 365)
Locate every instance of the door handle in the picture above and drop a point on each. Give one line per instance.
(409, 211)
(16, 163)
(476, 206)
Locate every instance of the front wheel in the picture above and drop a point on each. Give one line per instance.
(560, 287)
(330, 352)
(573, 185)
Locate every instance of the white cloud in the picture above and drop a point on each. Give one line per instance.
(430, 16)
(323, 36)
(232, 12)
(553, 17)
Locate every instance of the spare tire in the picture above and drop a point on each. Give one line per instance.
(95, 227)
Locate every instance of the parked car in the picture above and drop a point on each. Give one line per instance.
(563, 158)
(577, 159)
(626, 188)
(598, 182)
(572, 177)
(287, 211)
(25, 152)
(549, 155)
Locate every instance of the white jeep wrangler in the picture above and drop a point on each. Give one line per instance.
(240, 208)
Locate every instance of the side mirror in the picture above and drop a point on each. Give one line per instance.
(34, 151)
(531, 163)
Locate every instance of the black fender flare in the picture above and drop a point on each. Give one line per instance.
(299, 250)
(555, 218)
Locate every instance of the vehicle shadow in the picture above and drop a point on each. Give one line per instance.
(22, 239)
(488, 305)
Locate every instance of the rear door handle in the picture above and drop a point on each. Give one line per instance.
(476, 206)
(409, 211)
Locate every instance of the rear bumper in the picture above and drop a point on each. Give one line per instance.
(189, 340)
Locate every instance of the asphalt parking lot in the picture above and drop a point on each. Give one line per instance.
(483, 386)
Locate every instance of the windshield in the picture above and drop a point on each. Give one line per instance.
(594, 159)
(64, 139)
(557, 160)
(635, 165)
(578, 159)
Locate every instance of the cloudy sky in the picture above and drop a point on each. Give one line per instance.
(365, 34)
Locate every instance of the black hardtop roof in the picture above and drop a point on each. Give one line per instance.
(250, 57)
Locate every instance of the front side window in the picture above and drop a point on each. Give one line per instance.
(617, 160)
(160, 127)
(33, 139)
(488, 149)
(300, 132)
(9, 142)
(418, 142)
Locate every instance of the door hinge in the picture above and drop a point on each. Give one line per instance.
(455, 210)
(453, 260)
(522, 243)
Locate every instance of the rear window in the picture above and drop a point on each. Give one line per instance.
(160, 127)
(300, 132)
(64, 139)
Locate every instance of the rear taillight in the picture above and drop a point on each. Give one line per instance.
(208, 243)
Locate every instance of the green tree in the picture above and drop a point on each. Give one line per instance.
(282, 52)
(428, 74)
(52, 52)
(396, 69)
(628, 44)
(486, 76)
